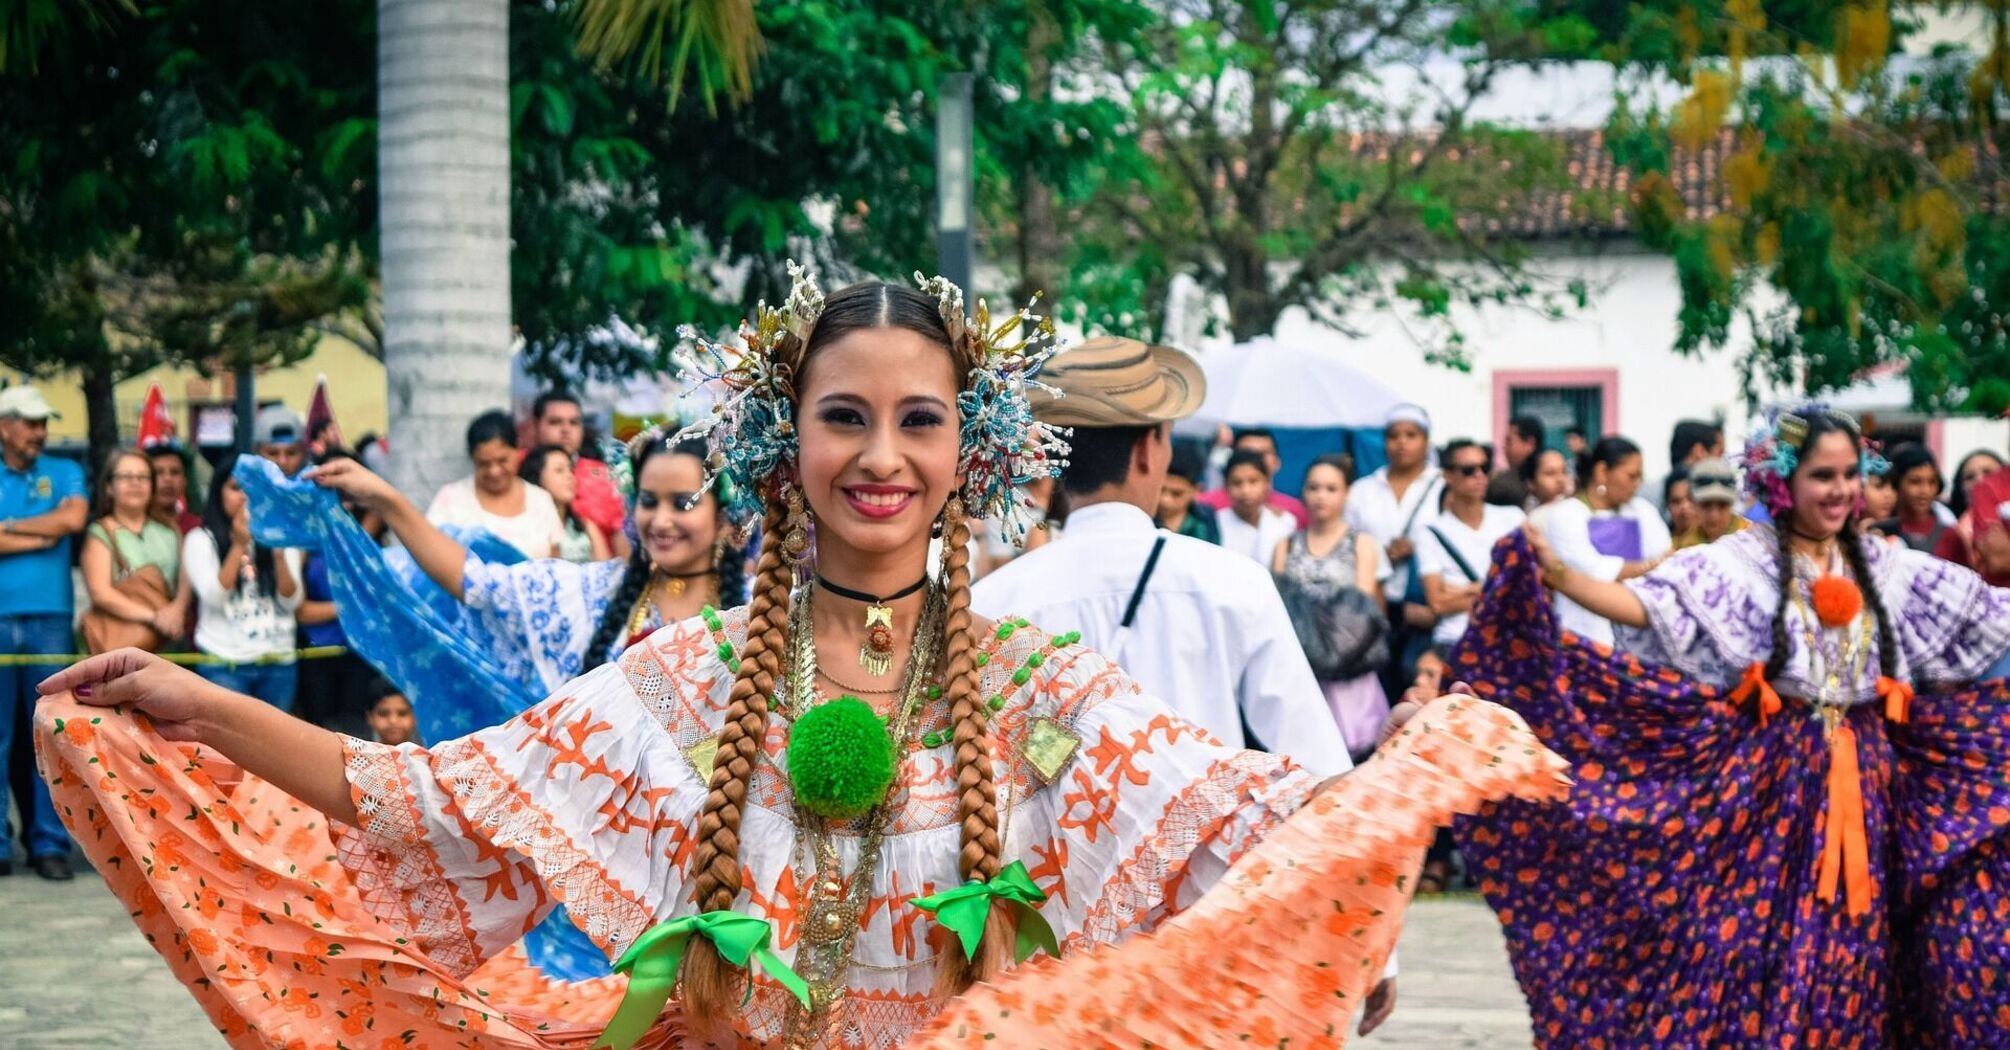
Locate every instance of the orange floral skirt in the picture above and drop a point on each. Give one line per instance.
(236, 884)
(238, 887)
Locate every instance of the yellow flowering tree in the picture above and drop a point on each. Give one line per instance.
(1862, 218)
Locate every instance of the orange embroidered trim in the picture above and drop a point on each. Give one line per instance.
(609, 914)
(1192, 818)
(394, 867)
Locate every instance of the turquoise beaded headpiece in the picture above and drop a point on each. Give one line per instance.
(751, 432)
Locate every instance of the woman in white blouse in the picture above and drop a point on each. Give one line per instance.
(1608, 532)
(519, 513)
(246, 594)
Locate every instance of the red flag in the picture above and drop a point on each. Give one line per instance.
(156, 425)
(318, 410)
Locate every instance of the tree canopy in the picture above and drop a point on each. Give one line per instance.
(182, 183)
(1865, 223)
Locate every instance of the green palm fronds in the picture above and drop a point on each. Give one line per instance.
(713, 42)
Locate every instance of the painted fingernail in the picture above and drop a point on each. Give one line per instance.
(83, 691)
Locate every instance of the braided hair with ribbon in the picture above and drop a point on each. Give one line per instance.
(752, 443)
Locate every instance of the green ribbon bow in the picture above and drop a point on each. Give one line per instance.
(651, 964)
(964, 909)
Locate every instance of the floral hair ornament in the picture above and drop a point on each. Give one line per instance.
(1004, 448)
(751, 432)
(1773, 452)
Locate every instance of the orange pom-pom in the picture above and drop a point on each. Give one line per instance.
(1837, 600)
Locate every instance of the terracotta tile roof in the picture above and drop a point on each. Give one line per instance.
(1595, 203)
(1598, 202)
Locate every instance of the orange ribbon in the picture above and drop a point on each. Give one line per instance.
(1845, 852)
(1897, 698)
(1754, 682)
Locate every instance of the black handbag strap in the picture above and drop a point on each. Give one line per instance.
(1145, 577)
(1460, 559)
(1411, 522)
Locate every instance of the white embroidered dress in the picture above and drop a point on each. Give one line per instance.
(589, 800)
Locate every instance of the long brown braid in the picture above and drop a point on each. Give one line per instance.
(980, 854)
(710, 984)
(1887, 639)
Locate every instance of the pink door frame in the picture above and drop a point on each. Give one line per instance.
(1605, 379)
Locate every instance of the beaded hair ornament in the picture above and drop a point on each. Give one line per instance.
(751, 432)
(1773, 452)
(621, 458)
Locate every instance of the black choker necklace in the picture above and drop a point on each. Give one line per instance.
(876, 655)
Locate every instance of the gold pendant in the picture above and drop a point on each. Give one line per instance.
(876, 655)
(676, 586)
(1049, 745)
(701, 756)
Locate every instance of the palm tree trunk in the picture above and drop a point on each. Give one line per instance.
(443, 166)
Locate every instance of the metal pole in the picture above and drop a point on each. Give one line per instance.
(247, 408)
(955, 179)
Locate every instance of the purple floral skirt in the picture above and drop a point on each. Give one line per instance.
(1672, 901)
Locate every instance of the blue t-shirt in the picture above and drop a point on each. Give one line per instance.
(315, 578)
(37, 582)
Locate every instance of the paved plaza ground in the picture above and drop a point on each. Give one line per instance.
(75, 973)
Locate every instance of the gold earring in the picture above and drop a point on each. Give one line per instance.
(796, 541)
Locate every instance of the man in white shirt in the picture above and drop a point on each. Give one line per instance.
(1200, 628)
(1455, 548)
(1388, 503)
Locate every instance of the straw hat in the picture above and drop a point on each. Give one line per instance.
(1112, 382)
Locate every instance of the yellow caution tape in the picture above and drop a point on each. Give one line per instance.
(312, 652)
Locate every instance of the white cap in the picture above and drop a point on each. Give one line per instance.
(1407, 413)
(25, 402)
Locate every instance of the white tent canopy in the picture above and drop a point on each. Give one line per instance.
(1264, 383)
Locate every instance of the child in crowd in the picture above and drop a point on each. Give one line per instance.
(1248, 525)
(1430, 682)
(391, 718)
(1177, 510)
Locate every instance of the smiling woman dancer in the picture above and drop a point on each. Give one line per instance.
(817, 817)
(1772, 842)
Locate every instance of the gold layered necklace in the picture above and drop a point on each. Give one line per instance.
(835, 902)
(660, 586)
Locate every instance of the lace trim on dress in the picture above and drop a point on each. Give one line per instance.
(394, 869)
(1133, 895)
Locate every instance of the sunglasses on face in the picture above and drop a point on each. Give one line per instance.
(1467, 470)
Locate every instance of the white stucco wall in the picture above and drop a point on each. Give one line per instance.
(1629, 326)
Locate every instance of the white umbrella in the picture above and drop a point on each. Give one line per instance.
(1264, 383)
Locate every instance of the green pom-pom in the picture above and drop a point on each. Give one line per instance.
(840, 759)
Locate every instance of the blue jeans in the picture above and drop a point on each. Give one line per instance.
(272, 683)
(31, 633)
